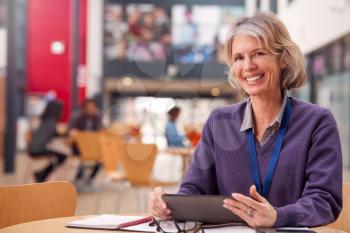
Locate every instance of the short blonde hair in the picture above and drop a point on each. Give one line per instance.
(268, 28)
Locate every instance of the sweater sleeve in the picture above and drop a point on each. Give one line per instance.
(321, 200)
(201, 176)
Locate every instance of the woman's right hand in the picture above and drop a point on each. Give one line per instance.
(157, 206)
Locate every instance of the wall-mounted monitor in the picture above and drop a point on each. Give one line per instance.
(167, 39)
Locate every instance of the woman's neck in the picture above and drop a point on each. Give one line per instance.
(265, 109)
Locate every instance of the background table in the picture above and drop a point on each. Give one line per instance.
(57, 225)
(185, 153)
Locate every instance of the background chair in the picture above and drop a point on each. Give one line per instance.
(30, 202)
(88, 144)
(343, 221)
(138, 161)
(90, 157)
(111, 160)
(110, 152)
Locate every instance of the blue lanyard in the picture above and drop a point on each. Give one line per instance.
(254, 167)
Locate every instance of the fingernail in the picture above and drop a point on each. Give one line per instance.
(235, 195)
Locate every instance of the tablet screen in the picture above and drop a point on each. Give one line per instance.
(200, 208)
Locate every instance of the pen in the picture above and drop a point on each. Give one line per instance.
(136, 222)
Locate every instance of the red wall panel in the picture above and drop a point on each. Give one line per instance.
(50, 20)
(82, 49)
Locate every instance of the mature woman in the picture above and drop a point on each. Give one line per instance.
(279, 157)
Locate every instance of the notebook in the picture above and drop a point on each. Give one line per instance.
(115, 222)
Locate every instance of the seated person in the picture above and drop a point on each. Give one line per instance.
(42, 136)
(173, 137)
(88, 119)
(278, 158)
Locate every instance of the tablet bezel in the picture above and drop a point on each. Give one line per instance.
(200, 208)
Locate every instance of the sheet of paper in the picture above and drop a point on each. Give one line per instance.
(107, 221)
(230, 229)
(145, 227)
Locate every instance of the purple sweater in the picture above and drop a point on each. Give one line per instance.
(306, 189)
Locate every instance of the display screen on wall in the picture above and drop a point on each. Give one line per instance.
(319, 65)
(145, 39)
(136, 32)
(347, 52)
(197, 37)
(2, 13)
(331, 59)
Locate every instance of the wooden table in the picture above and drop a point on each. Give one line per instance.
(57, 225)
(185, 153)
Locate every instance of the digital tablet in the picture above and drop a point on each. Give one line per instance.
(200, 208)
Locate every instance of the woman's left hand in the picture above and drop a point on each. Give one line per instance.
(256, 211)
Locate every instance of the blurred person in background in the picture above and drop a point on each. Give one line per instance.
(279, 158)
(42, 136)
(88, 119)
(172, 135)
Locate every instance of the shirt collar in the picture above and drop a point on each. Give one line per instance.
(247, 122)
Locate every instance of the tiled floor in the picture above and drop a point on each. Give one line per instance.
(111, 197)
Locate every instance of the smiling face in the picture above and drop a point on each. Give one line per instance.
(256, 69)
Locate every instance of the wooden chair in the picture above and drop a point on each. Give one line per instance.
(119, 128)
(130, 132)
(30, 202)
(88, 143)
(138, 160)
(90, 156)
(343, 221)
(111, 155)
(110, 144)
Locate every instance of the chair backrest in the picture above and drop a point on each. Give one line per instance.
(120, 128)
(343, 221)
(138, 160)
(110, 149)
(30, 202)
(88, 143)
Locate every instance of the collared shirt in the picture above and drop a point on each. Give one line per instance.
(272, 128)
